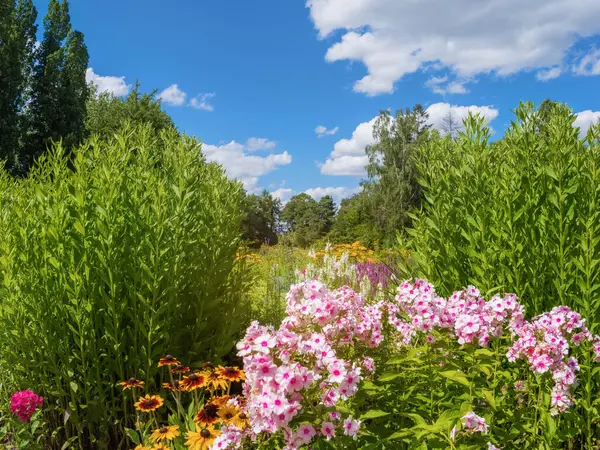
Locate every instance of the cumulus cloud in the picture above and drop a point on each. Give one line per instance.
(398, 37)
(201, 102)
(439, 112)
(338, 193)
(239, 164)
(589, 64)
(115, 85)
(441, 85)
(173, 96)
(321, 131)
(548, 74)
(283, 194)
(255, 143)
(349, 158)
(585, 119)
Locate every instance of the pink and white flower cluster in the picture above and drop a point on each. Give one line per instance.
(465, 313)
(543, 341)
(544, 344)
(306, 354)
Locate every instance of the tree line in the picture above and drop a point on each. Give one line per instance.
(391, 193)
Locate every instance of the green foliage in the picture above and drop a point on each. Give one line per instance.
(59, 89)
(262, 217)
(519, 215)
(308, 220)
(353, 222)
(109, 265)
(275, 269)
(17, 35)
(106, 114)
(392, 190)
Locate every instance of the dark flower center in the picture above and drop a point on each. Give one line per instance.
(193, 377)
(163, 430)
(132, 380)
(205, 433)
(228, 416)
(243, 416)
(148, 403)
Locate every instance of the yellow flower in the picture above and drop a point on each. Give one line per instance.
(160, 446)
(169, 433)
(202, 438)
(142, 447)
(149, 403)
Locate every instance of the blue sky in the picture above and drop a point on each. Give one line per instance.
(253, 80)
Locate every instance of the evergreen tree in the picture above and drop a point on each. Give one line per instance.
(59, 90)
(17, 39)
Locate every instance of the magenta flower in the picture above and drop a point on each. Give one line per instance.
(24, 403)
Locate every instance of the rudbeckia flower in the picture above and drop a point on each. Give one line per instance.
(201, 439)
(214, 382)
(168, 360)
(231, 373)
(149, 403)
(194, 381)
(131, 383)
(209, 414)
(180, 368)
(168, 433)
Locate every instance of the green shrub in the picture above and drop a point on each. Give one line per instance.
(519, 215)
(109, 262)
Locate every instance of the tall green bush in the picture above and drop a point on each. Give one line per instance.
(517, 215)
(107, 265)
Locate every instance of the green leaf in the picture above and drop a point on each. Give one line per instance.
(457, 376)
(373, 414)
(133, 435)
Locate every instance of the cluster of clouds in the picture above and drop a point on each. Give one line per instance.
(174, 96)
(349, 158)
(240, 162)
(462, 39)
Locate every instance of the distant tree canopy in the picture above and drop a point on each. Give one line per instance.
(106, 113)
(262, 218)
(308, 220)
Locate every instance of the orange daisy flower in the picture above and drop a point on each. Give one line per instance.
(176, 386)
(231, 373)
(168, 433)
(214, 382)
(168, 360)
(208, 415)
(201, 439)
(149, 403)
(194, 381)
(180, 368)
(131, 383)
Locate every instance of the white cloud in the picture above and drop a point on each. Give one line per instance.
(398, 37)
(436, 84)
(548, 74)
(173, 96)
(346, 165)
(438, 112)
(201, 102)
(585, 119)
(321, 131)
(283, 194)
(115, 85)
(255, 143)
(589, 64)
(338, 193)
(349, 158)
(239, 164)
